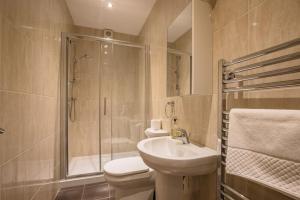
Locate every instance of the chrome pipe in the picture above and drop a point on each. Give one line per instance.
(225, 121)
(226, 195)
(272, 85)
(225, 112)
(224, 138)
(279, 72)
(263, 52)
(234, 191)
(272, 61)
(230, 76)
(96, 38)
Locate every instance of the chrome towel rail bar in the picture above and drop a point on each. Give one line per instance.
(272, 85)
(234, 192)
(265, 63)
(263, 52)
(232, 77)
(278, 72)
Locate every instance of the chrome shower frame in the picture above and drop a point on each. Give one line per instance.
(65, 64)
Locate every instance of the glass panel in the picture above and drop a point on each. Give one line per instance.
(83, 108)
(127, 100)
(105, 101)
(106, 104)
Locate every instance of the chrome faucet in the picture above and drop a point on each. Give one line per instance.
(181, 134)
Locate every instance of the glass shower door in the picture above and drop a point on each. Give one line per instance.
(127, 100)
(105, 114)
(83, 107)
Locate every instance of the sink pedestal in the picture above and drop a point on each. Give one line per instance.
(178, 168)
(168, 187)
(201, 187)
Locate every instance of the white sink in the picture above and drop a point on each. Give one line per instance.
(170, 156)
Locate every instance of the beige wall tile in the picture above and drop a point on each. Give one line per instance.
(29, 85)
(234, 38)
(1, 32)
(273, 22)
(226, 11)
(193, 112)
(264, 24)
(253, 3)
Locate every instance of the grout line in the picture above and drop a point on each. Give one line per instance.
(231, 22)
(56, 195)
(83, 190)
(26, 93)
(258, 5)
(35, 194)
(25, 151)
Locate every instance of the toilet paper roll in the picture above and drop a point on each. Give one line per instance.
(156, 124)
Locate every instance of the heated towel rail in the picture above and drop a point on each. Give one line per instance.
(231, 74)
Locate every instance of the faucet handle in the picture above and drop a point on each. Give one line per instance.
(179, 132)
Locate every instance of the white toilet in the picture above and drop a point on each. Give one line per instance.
(130, 177)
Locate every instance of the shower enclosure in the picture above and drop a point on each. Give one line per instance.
(102, 102)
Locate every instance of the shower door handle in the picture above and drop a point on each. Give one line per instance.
(2, 131)
(104, 109)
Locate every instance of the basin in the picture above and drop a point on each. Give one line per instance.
(173, 161)
(172, 157)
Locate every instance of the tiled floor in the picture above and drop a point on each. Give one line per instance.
(99, 191)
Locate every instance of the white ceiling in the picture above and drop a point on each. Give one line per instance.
(125, 16)
(181, 25)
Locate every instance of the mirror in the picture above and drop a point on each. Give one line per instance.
(179, 54)
(189, 52)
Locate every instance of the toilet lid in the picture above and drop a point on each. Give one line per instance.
(126, 166)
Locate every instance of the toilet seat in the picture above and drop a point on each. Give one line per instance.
(126, 166)
(128, 172)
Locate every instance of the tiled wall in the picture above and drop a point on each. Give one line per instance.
(245, 26)
(195, 113)
(189, 109)
(239, 27)
(29, 86)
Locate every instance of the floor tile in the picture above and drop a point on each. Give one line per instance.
(74, 193)
(96, 191)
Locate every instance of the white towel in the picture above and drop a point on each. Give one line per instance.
(264, 146)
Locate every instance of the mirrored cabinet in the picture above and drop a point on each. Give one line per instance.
(189, 51)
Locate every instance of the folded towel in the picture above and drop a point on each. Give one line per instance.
(264, 146)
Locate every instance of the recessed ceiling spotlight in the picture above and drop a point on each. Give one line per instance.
(109, 5)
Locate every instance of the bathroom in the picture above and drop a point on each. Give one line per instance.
(149, 99)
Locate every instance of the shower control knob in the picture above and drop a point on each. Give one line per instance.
(2, 131)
